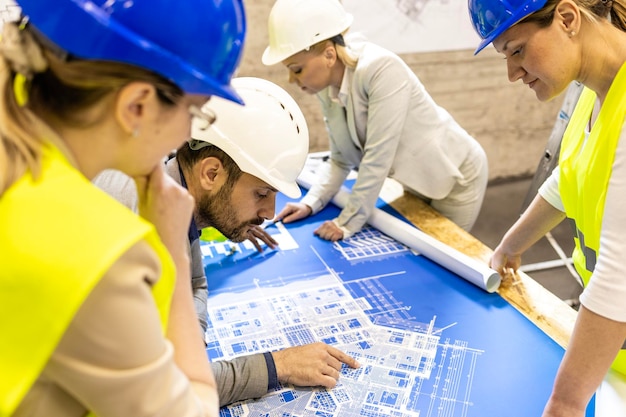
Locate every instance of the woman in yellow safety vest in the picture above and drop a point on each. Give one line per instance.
(547, 45)
(92, 317)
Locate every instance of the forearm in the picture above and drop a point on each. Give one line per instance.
(329, 181)
(360, 204)
(199, 284)
(183, 330)
(200, 305)
(389, 97)
(538, 219)
(595, 342)
(373, 171)
(241, 379)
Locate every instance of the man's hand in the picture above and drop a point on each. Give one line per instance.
(315, 364)
(257, 233)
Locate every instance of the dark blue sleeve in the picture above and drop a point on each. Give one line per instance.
(272, 376)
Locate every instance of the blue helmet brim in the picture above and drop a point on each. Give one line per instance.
(96, 35)
(479, 20)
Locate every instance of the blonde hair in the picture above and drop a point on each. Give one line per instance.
(343, 53)
(39, 83)
(593, 10)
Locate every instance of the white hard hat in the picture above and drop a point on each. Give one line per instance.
(267, 138)
(295, 25)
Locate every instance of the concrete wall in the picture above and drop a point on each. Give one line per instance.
(506, 118)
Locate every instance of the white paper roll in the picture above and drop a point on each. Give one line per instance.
(466, 267)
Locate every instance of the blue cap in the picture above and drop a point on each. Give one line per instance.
(196, 44)
(492, 17)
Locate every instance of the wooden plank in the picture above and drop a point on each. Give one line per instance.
(552, 315)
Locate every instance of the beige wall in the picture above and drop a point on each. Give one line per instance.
(506, 118)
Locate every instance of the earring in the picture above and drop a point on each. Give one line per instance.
(572, 33)
(135, 132)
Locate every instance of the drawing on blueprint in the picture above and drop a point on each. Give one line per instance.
(430, 342)
(407, 368)
(367, 243)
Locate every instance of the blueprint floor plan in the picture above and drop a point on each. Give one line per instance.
(429, 343)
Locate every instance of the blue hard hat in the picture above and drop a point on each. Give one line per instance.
(196, 44)
(492, 17)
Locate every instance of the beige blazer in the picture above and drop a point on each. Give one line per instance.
(389, 126)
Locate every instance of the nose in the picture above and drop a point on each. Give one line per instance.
(515, 71)
(291, 77)
(268, 210)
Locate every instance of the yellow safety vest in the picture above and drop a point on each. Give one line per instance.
(59, 235)
(585, 170)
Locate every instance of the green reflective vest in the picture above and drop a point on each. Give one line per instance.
(59, 235)
(585, 170)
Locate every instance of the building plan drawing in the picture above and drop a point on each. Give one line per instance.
(429, 343)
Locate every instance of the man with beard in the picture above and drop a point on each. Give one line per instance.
(233, 169)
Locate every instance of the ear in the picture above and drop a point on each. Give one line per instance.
(133, 105)
(330, 54)
(569, 17)
(210, 173)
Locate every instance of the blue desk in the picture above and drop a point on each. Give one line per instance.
(429, 342)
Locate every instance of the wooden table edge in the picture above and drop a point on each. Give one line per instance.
(548, 312)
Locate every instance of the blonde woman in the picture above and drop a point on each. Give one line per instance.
(380, 120)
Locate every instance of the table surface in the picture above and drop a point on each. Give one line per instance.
(378, 301)
(552, 315)
(548, 312)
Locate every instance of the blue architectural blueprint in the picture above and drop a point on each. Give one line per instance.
(430, 344)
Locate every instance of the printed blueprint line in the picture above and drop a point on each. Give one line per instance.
(364, 319)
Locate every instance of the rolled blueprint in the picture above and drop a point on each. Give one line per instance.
(466, 267)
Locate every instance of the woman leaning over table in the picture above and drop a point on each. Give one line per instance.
(380, 120)
(547, 45)
(92, 317)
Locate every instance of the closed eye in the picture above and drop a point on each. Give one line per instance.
(515, 52)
